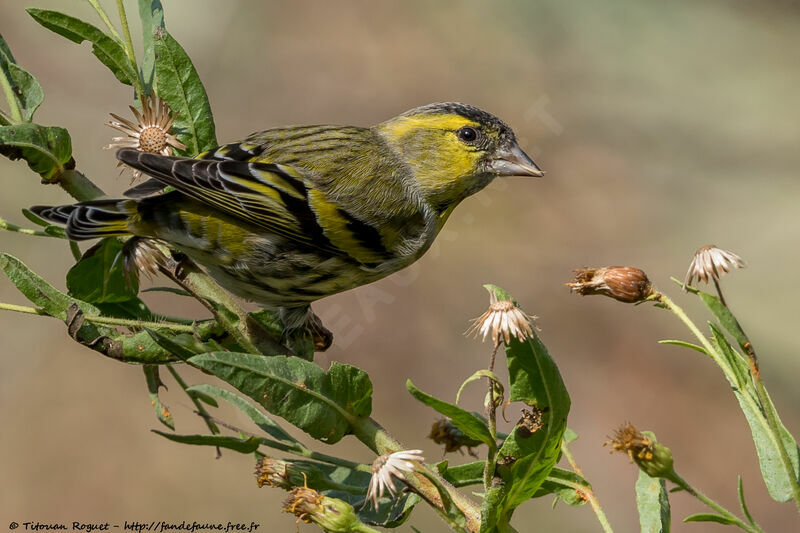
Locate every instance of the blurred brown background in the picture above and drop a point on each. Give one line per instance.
(661, 127)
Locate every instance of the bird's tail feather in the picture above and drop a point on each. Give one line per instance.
(89, 220)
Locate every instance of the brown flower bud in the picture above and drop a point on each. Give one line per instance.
(625, 284)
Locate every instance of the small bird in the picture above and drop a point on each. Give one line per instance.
(293, 214)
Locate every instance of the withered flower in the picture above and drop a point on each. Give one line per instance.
(652, 457)
(531, 421)
(388, 467)
(331, 514)
(711, 263)
(150, 132)
(502, 318)
(624, 284)
(273, 472)
(444, 432)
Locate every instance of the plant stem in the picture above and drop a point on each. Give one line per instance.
(123, 18)
(76, 252)
(710, 350)
(719, 291)
(197, 404)
(102, 14)
(77, 185)
(491, 411)
(13, 105)
(587, 494)
(682, 483)
(8, 226)
(764, 404)
(248, 334)
(106, 320)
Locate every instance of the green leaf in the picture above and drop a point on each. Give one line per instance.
(779, 484)
(321, 404)
(526, 459)
(248, 445)
(46, 149)
(484, 373)
(178, 84)
(153, 384)
(652, 501)
(724, 316)
(37, 290)
(473, 426)
(98, 276)
(736, 362)
(742, 503)
(26, 88)
(685, 345)
(566, 485)
(152, 16)
(109, 51)
(260, 419)
(462, 475)
(570, 436)
(709, 517)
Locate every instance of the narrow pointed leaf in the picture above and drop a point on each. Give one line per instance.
(471, 425)
(685, 345)
(178, 84)
(566, 485)
(724, 316)
(264, 422)
(743, 504)
(709, 517)
(321, 404)
(462, 475)
(153, 384)
(152, 16)
(652, 501)
(779, 483)
(246, 445)
(484, 373)
(109, 51)
(40, 292)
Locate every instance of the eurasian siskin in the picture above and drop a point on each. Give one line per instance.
(291, 215)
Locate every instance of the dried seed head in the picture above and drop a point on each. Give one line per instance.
(504, 319)
(444, 432)
(625, 284)
(149, 133)
(711, 263)
(652, 457)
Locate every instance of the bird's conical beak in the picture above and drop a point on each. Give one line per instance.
(514, 162)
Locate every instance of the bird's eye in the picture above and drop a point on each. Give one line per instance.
(467, 134)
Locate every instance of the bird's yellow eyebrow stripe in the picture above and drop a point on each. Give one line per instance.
(443, 121)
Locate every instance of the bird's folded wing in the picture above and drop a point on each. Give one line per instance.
(274, 197)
